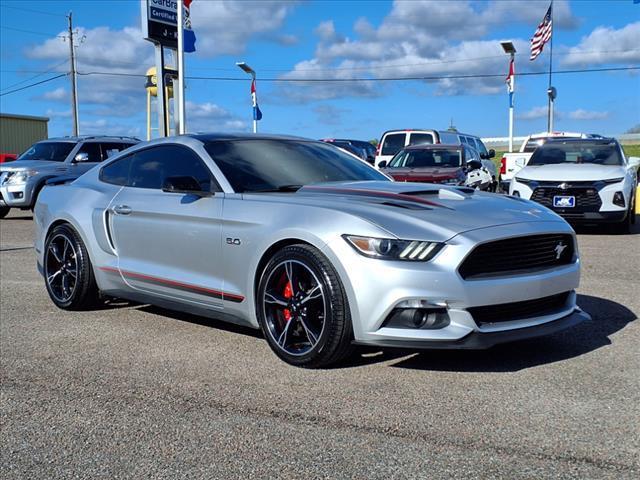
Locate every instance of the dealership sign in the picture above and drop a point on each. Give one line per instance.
(159, 22)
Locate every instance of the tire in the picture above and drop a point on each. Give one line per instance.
(68, 272)
(4, 211)
(307, 321)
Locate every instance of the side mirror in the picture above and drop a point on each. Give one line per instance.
(634, 162)
(184, 185)
(81, 157)
(382, 164)
(492, 153)
(474, 165)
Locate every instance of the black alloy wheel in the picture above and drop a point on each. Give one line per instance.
(68, 272)
(302, 308)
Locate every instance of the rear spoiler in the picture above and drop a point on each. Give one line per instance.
(61, 180)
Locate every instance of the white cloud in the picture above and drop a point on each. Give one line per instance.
(225, 27)
(419, 39)
(581, 114)
(606, 45)
(534, 114)
(58, 95)
(58, 114)
(209, 117)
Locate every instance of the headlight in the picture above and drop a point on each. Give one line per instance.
(613, 180)
(20, 177)
(524, 181)
(393, 249)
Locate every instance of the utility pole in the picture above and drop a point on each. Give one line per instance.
(74, 86)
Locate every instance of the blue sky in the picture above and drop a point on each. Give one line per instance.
(332, 40)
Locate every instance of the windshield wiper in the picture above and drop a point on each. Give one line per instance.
(279, 188)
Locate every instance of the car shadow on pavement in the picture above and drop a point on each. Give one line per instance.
(606, 229)
(23, 216)
(608, 317)
(204, 321)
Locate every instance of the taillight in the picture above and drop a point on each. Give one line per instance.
(503, 166)
(378, 148)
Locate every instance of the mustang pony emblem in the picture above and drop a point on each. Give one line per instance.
(559, 249)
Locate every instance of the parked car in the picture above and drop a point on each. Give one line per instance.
(348, 146)
(582, 180)
(309, 244)
(393, 141)
(512, 163)
(22, 180)
(7, 157)
(368, 147)
(448, 164)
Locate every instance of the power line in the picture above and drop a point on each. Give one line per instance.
(43, 34)
(30, 10)
(378, 79)
(34, 84)
(35, 76)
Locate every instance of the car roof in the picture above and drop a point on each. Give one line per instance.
(89, 138)
(213, 137)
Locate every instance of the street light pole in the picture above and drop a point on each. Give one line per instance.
(509, 48)
(254, 102)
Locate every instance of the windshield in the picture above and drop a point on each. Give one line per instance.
(555, 153)
(52, 151)
(426, 158)
(283, 165)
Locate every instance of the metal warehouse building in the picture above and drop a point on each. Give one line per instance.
(18, 132)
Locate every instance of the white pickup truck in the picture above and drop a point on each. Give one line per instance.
(511, 163)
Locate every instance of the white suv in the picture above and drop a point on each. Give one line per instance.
(582, 180)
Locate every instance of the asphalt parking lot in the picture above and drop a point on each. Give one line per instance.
(134, 391)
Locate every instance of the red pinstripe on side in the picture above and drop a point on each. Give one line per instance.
(196, 288)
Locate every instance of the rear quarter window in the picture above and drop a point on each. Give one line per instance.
(393, 143)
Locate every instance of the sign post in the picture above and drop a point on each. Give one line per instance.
(159, 26)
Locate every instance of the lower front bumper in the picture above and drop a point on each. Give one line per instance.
(15, 196)
(594, 217)
(481, 341)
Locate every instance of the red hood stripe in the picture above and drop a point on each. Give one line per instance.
(376, 193)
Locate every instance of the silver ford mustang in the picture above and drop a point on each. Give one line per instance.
(313, 246)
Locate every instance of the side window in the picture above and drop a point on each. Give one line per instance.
(480, 146)
(183, 162)
(147, 169)
(93, 150)
(392, 143)
(110, 149)
(420, 138)
(150, 167)
(117, 173)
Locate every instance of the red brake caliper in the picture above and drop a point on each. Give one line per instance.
(288, 293)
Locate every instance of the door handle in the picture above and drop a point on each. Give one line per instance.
(122, 210)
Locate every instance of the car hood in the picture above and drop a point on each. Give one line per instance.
(30, 165)
(571, 172)
(412, 210)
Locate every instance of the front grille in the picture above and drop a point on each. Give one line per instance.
(508, 312)
(518, 254)
(586, 194)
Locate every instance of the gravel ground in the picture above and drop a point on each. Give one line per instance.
(135, 391)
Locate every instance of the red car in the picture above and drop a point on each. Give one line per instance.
(7, 157)
(437, 163)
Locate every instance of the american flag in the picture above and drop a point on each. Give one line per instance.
(542, 35)
(509, 81)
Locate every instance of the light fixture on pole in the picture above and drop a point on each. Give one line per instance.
(510, 49)
(257, 115)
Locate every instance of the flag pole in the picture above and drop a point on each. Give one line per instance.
(550, 92)
(180, 90)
